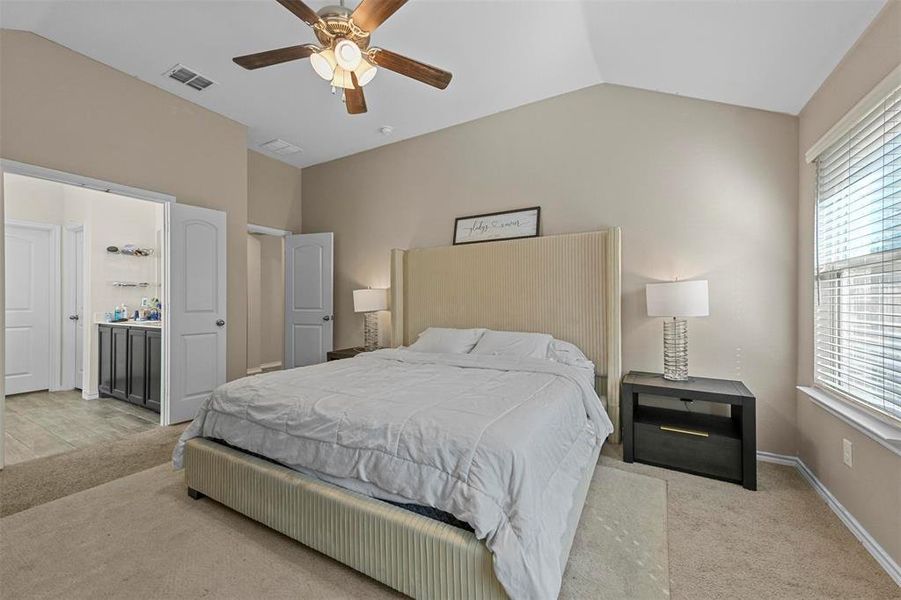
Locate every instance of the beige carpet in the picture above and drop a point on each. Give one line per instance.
(781, 542)
(142, 537)
(27, 484)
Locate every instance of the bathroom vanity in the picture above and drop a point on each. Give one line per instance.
(130, 362)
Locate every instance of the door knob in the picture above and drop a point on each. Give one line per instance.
(327, 318)
(73, 317)
(220, 323)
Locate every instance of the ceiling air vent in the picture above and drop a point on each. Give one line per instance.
(189, 77)
(279, 146)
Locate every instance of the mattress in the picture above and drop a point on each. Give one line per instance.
(500, 443)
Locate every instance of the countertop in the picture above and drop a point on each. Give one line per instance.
(130, 323)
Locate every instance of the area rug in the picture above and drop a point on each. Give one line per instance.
(35, 482)
(142, 537)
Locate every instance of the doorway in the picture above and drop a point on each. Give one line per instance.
(73, 307)
(265, 299)
(191, 270)
(74, 258)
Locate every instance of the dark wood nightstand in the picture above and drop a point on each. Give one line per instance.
(710, 445)
(343, 353)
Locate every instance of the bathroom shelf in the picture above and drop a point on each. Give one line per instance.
(144, 252)
(138, 284)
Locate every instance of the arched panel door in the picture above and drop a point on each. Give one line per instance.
(194, 320)
(309, 310)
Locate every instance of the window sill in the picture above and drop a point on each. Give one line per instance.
(882, 432)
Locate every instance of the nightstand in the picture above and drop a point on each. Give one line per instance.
(703, 444)
(343, 353)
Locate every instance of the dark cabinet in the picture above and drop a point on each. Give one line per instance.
(106, 365)
(130, 364)
(119, 387)
(137, 366)
(154, 370)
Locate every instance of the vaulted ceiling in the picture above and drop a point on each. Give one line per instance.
(767, 54)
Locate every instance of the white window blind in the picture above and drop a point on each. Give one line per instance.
(858, 256)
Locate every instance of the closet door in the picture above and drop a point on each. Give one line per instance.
(31, 253)
(309, 310)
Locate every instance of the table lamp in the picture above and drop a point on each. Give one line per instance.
(369, 302)
(677, 299)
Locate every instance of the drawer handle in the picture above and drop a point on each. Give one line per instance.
(685, 431)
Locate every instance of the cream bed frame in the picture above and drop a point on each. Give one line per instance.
(566, 285)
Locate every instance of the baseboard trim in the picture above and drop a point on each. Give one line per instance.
(271, 366)
(254, 371)
(872, 546)
(87, 396)
(779, 459)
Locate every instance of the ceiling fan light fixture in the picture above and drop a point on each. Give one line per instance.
(348, 55)
(365, 72)
(324, 64)
(342, 79)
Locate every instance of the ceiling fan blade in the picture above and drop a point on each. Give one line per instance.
(354, 99)
(301, 10)
(411, 68)
(372, 13)
(274, 57)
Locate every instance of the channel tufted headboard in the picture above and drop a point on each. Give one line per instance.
(565, 285)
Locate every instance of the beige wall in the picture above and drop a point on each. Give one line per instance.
(701, 190)
(62, 110)
(273, 193)
(871, 491)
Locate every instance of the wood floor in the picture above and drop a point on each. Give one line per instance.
(44, 423)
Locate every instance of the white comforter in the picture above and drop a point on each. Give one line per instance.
(500, 443)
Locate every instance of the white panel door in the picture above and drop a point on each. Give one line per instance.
(29, 272)
(309, 313)
(194, 320)
(73, 306)
(79, 309)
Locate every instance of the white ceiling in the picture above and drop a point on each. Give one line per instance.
(769, 54)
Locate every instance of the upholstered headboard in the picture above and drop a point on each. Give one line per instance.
(564, 285)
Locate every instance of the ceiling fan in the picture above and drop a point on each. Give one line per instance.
(345, 57)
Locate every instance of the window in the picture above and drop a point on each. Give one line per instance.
(858, 261)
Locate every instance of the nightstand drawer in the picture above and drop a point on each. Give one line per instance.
(689, 449)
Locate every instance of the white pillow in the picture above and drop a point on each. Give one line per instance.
(513, 343)
(446, 341)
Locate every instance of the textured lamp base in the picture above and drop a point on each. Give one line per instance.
(675, 350)
(370, 331)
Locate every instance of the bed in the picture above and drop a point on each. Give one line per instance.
(335, 455)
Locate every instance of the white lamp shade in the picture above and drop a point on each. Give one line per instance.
(365, 72)
(678, 299)
(348, 55)
(324, 64)
(342, 79)
(370, 300)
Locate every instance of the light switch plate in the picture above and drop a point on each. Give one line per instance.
(848, 453)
